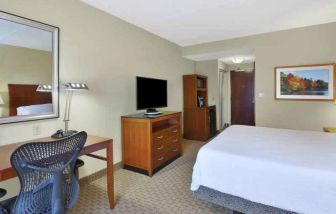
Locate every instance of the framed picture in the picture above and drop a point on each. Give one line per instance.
(308, 82)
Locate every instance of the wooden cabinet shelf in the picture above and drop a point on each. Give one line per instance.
(196, 114)
(150, 143)
(164, 127)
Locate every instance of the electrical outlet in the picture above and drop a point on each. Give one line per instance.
(36, 130)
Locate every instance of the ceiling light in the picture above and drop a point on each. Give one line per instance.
(237, 60)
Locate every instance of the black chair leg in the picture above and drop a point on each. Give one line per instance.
(79, 163)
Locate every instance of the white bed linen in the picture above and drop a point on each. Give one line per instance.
(288, 169)
(35, 109)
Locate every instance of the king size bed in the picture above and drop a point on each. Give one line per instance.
(267, 170)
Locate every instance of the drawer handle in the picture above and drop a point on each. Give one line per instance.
(160, 137)
(175, 150)
(174, 141)
(160, 159)
(160, 148)
(175, 131)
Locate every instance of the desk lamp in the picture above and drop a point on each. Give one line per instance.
(69, 88)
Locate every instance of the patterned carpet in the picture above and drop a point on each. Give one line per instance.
(168, 191)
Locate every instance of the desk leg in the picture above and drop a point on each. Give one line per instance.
(110, 176)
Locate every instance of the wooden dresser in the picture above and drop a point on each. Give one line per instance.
(150, 143)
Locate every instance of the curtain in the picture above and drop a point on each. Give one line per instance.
(224, 97)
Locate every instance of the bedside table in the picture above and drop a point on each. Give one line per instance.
(331, 130)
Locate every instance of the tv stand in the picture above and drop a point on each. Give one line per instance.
(152, 111)
(149, 144)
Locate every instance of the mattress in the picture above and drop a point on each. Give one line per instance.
(289, 169)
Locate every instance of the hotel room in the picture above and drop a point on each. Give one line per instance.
(167, 106)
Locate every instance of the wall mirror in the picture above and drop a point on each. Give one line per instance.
(28, 70)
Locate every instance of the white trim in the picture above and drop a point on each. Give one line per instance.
(55, 80)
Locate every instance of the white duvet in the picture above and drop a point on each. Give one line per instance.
(35, 109)
(288, 169)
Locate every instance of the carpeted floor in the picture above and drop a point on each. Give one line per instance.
(168, 191)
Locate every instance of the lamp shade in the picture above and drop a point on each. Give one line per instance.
(75, 86)
(44, 88)
(1, 101)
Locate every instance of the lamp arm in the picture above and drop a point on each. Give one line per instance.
(67, 109)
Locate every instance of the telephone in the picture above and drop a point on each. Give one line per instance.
(62, 134)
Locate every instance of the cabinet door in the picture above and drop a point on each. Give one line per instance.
(196, 123)
(136, 141)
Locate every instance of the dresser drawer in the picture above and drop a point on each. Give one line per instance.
(158, 147)
(160, 136)
(159, 159)
(173, 131)
(173, 140)
(173, 150)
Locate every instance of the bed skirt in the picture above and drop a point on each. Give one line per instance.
(236, 203)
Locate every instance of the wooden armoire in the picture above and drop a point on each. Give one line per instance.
(196, 111)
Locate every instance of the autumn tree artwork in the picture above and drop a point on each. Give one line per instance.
(305, 82)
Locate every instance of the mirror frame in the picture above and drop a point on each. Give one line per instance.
(55, 67)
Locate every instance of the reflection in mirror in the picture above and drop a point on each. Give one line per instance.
(27, 61)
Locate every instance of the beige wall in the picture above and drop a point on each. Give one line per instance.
(210, 69)
(22, 66)
(107, 54)
(309, 45)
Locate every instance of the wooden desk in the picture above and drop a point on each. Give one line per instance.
(92, 144)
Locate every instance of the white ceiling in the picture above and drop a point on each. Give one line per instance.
(225, 56)
(20, 35)
(188, 22)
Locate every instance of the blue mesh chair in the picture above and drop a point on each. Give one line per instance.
(46, 171)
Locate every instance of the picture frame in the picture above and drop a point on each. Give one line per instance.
(305, 82)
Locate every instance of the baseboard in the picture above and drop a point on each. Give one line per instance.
(97, 175)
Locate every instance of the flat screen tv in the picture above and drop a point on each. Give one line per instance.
(151, 94)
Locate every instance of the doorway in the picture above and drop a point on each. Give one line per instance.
(242, 97)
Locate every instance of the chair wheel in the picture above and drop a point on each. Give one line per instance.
(3, 192)
(79, 163)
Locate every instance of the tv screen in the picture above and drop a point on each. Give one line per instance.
(151, 93)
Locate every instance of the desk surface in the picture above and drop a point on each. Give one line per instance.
(92, 144)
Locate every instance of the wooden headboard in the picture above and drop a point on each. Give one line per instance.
(25, 95)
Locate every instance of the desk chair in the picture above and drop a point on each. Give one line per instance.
(46, 171)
